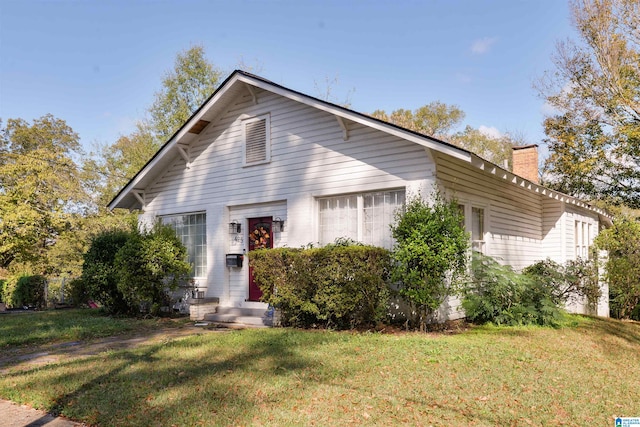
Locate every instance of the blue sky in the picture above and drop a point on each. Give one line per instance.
(98, 64)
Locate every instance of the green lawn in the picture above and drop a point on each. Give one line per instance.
(51, 327)
(577, 376)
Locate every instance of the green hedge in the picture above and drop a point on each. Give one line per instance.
(334, 286)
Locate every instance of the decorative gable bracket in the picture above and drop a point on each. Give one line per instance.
(139, 195)
(252, 92)
(345, 129)
(185, 153)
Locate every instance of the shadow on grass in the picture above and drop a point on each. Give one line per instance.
(626, 331)
(184, 382)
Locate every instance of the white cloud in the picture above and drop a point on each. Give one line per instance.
(482, 46)
(490, 131)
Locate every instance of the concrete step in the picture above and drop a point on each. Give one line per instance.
(241, 311)
(244, 316)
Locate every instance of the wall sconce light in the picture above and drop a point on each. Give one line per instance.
(235, 227)
(278, 224)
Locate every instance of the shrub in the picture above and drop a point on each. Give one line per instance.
(28, 291)
(78, 292)
(124, 270)
(499, 295)
(99, 274)
(430, 255)
(149, 264)
(563, 283)
(340, 286)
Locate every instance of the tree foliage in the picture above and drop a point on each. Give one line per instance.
(41, 189)
(622, 242)
(594, 136)
(439, 120)
(114, 165)
(430, 255)
(435, 119)
(184, 89)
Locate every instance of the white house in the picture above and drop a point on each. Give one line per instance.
(261, 160)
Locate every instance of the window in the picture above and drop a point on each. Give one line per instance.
(582, 239)
(362, 217)
(192, 231)
(257, 140)
(477, 229)
(474, 221)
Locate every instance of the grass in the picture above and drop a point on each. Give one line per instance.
(51, 327)
(579, 376)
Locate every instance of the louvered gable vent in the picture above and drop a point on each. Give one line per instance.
(256, 141)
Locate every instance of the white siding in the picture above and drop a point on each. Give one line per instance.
(514, 214)
(309, 159)
(553, 230)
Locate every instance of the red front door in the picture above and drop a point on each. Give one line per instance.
(259, 237)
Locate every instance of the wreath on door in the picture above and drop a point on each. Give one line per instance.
(260, 238)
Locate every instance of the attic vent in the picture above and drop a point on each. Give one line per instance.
(199, 126)
(256, 147)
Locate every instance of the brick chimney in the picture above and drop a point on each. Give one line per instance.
(525, 162)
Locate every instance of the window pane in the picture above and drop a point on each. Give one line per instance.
(191, 229)
(477, 224)
(341, 217)
(338, 218)
(378, 216)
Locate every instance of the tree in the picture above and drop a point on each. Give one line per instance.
(622, 267)
(497, 150)
(184, 89)
(435, 119)
(430, 254)
(114, 165)
(594, 136)
(438, 120)
(41, 191)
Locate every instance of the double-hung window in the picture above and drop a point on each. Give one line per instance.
(192, 231)
(582, 239)
(474, 222)
(365, 217)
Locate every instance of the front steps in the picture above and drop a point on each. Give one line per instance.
(255, 317)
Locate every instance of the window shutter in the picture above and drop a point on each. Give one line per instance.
(256, 141)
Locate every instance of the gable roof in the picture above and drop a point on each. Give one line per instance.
(241, 81)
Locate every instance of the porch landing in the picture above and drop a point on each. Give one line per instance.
(246, 316)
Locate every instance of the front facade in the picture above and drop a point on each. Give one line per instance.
(260, 165)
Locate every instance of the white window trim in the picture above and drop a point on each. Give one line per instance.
(267, 118)
(468, 225)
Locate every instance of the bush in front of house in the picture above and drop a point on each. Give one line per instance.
(497, 294)
(99, 274)
(430, 255)
(128, 270)
(537, 296)
(342, 285)
(149, 264)
(565, 283)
